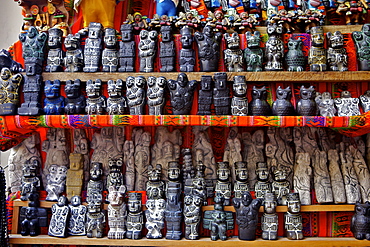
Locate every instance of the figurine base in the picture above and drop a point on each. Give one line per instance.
(8, 109)
(29, 111)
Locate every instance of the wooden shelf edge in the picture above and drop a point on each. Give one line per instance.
(203, 242)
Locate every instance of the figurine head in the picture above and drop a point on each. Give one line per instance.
(232, 41)
(144, 34)
(57, 174)
(173, 171)
(116, 196)
(31, 212)
(182, 79)
(200, 170)
(218, 14)
(153, 35)
(29, 169)
(160, 203)
(207, 30)
(151, 81)
(262, 172)
(134, 202)
(246, 198)
(62, 201)
(335, 40)
(270, 203)
(188, 200)
(130, 81)
(154, 174)
(72, 88)
(259, 93)
(281, 174)
(199, 156)
(366, 29)
(307, 93)
(115, 164)
(240, 86)
(253, 41)
(110, 38)
(186, 37)
(293, 203)
(76, 201)
(95, 30)
(206, 83)
(241, 171)
(107, 133)
(115, 88)
(317, 36)
(220, 80)
(150, 204)
(76, 161)
(126, 31)
(283, 93)
(161, 82)
(52, 89)
(223, 171)
(140, 82)
(72, 42)
(5, 74)
(345, 94)
(166, 32)
(93, 88)
(55, 38)
(96, 171)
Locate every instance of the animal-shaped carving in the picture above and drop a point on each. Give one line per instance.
(337, 54)
(306, 106)
(360, 223)
(259, 105)
(274, 52)
(282, 106)
(233, 53)
(253, 54)
(325, 105)
(295, 59)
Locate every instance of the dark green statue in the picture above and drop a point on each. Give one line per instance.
(362, 41)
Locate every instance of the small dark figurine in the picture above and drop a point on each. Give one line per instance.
(337, 54)
(74, 59)
(306, 105)
(346, 105)
(182, 93)
(362, 41)
(199, 185)
(247, 215)
(135, 216)
(274, 51)
(136, 94)
(116, 103)
(127, 50)
(155, 217)
(233, 53)
(32, 218)
(223, 184)
(221, 98)
(32, 95)
(77, 219)
(116, 212)
(269, 220)
(317, 53)
(325, 104)
(156, 94)
(93, 47)
(110, 53)
(6, 61)
(173, 213)
(208, 49)
(95, 184)
(281, 185)
(188, 171)
(75, 102)
(282, 106)
(167, 50)
(147, 50)
(59, 218)
(30, 181)
(155, 187)
(187, 53)
(262, 186)
(360, 223)
(55, 54)
(218, 220)
(173, 175)
(9, 95)
(295, 60)
(192, 216)
(239, 102)
(253, 54)
(205, 95)
(241, 183)
(293, 218)
(259, 105)
(365, 101)
(115, 176)
(95, 218)
(53, 102)
(95, 102)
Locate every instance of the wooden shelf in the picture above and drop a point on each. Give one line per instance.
(328, 28)
(203, 242)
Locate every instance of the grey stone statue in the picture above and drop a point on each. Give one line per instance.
(337, 54)
(325, 105)
(167, 50)
(223, 184)
(346, 105)
(221, 97)
(241, 182)
(262, 186)
(74, 59)
(135, 216)
(96, 102)
(322, 183)
(110, 53)
(293, 218)
(233, 54)
(173, 212)
(136, 94)
(239, 102)
(155, 187)
(187, 53)
(317, 55)
(30, 183)
(306, 105)
(362, 47)
(280, 186)
(56, 182)
(156, 94)
(302, 177)
(182, 93)
(192, 216)
(127, 50)
(269, 219)
(205, 95)
(282, 105)
(274, 51)
(93, 47)
(147, 50)
(155, 217)
(117, 212)
(77, 220)
(55, 54)
(60, 213)
(9, 90)
(116, 103)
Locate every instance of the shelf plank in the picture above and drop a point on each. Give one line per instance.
(328, 28)
(203, 242)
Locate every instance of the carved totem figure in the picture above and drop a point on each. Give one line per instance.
(74, 59)
(127, 50)
(360, 222)
(115, 176)
(188, 170)
(302, 177)
(325, 105)
(317, 53)
(56, 181)
(205, 95)
(322, 185)
(282, 106)
(75, 175)
(336, 177)
(274, 52)
(59, 218)
(167, 50)
(116, 212)
(9, 95)
(93, 47)
(135, 216)
(30, 183)
(259, 105)
(232, 152)
(362, 172)
(280, 186)
(239, 102)
(81, 146)
(147, 50)
(95, 185)
(337, 54)
(295, 58)
(116, 103)
(155, 217)
(233, 54)
(77, 220)
(365, 101)
(95, 218)
(32, 218)
(192, 216)
(55, 54)
(173, 212)
(141, 157)
(155, 187)
(362, 41)
(54, 102)
(269, 220)
(32, 88)
(346, 105)
(110, 53)
(262, 186)
(95, 102)
(129, 161)
(187, 53)
(223, 184)
(293, 218)
(221, 98)
(253, 54)
(156, 94)
(182, 93)
(75, 102)
(136, 94)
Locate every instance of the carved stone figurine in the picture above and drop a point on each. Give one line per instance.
(274, 51)
(116, 212)
(247, 215)
(136, 94)
(59, 218)
(233, 53)
(360, 222)
(223, 184)
(295, 58)
(293, 218)
(9, 95)
(32, 218)
(365, 101)
(167, 50)
(155, 217)
(156, 94)
(280, 186)
(205, 95)
(74, 59)
(135, 216)
(317, 53)
(95, 184)
(282, 106)
(95, 102)
(93, 47)
(221, 98)
(337, 54)
(54, 102)
(253, 54)
(362, 41)
(77, 220)
(115, 176)
(325, 105)
(75, 102)
(32, 95)
(95, 218)
(208, 49)
(30, 181)
(306, 105)
(155, 187)
(262, 186)
(239, 102)
(187, 53)
(127, 50)
(55, 54)
(218, 220)
(75, 175)
(182, 93)
(56, 182)
(110, 53)
(241, 183)
(173, 213)
(259, 105)
(147, 50)
(346, 105)
(116, 103)
(269, 220)
(192, 216)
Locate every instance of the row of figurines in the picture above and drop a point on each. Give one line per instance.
(152, 92)
(253, 58)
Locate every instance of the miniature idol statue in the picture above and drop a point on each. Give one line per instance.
(241, 182)
(59, 218)
(306, 105)
(135, 216)
(167, 50)
(360, 221)
(136, 94)
(173, 213)
(262, 186)
(295, 58)
(74, 59)
(282, 106)
(95, 218)
(337, 54)
(205, 95)
(269, 220)
(116, 103)
(317, 53)
(247, 215)
(325, 105)
(182, 93)
(223, 184)
(187, 53)
(55, 54)
(281, 185)
(32, 218)
(365, 101)
(77, 220)
(9, 91)
(293, 218)
(110, 53)
(95, 102)
(116, 212)
(75, 102)
(253, 54)
(115, 176)
(93, 47)
(199, 185)
(274, 51)
(95, 184)
(192, 216)
(155, 217)
(75, 175)
(53, 102)
(127, 50)
(155, 187)
(147, 50)
(56, 181)
(362, 41)
(156, 94)
(346, 105)
(233, 53)
(30, 182)
(239, 102)
(259, 105)
(221, 98)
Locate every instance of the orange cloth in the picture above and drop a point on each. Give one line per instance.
(98, 11)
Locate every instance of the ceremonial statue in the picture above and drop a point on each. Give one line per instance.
(346, 105)
(208, 49)
(55, 54)
(317, 53)
(147, 50)
(187, 54)
(362, 41)
(30, 182)
(221, 98)
(198, 184)
(269, 220)
(223, 184)
(253, 54)
(293, 218)
(233, 53)
(116, 103)
(93, 47)
(54, 102)
(136, 94)
(115, 176)
(182, 93)
(259, 105)
(75, 175)
(95, 184)
(95, 102)
(325, 105)
(77, 220)
(127, 50)
(241, 183)
(337, 54)
(155, 187)
(192, 216)
(295, 58)
(247, 215)
(9, 87)
(173, 212)
(75, 103)
(239, 102)
(365, 101)
(32, 218)
(56, 181)
(110, 53)
(262, 186)
(218, 220)
(205, 95)
(167, 50)
(360, 222)
(135, 216)
(281, 186)
(116, 212)
(95, 218)
(59, 218)
(156, 94)
(32, 96)
(274, 51)
(306, 105)
(282, 106)
(155, 217)
(74, 59)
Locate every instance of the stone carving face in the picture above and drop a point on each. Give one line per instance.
(239, 86)
(76, 201)
(270, 203)
(96, 171)
(186, 40)
(294, 206)
(134, 205)
(173, 174)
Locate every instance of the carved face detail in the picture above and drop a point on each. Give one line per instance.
(166, 36)
(223, 174)
(5, 74)
(186, 40)
(110, 38)
(366, 29)
(242, 174)
(161, 82)
(262, 174)
(151, 81)
(134, 205)
(126, 35)
(295, 44)
(140, 81)
(144, 34)
(345, 94)
(294, 206)
(182, 79)
(153, 35)
(62, 201)
(280, 175)
(253, 40)
(307, 93)
(246, 198)
(130, 81)
(76, 201)
(71, 89)
(54, 40)
(150, 204)
(173, 174)
(207, 30)
(336, 39)
(51, 89)
(240, 86)
(232, 41)
(270, 203)
(96, 171)
(317, 39)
